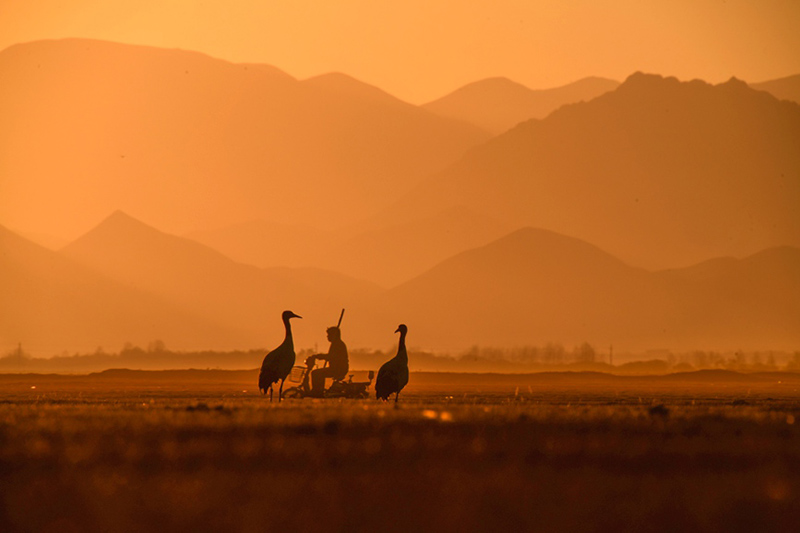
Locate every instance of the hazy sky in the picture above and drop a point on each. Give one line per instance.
(421, 49)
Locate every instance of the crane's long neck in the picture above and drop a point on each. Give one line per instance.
(288, 340)
(402, 355)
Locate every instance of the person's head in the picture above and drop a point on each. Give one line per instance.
(334, 333)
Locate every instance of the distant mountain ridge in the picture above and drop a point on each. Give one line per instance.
(536, 284)
(498, 104)
(51, 304)
(344, 84)
(386, 255)
(398, 213)
(659, 172)
(787, 88)
(187, 141)
(197, 278)
(128, 282)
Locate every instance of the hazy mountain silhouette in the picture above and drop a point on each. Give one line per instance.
(529, 287)
(659, 172)
(386, 255)
(189, 141)
(787, 88)
(266, 243)
(50, 304)
(196, 277)
(498, 104)
(409, 246)
(337, 82)
(759, 293)
(535, 286)
(755, 300)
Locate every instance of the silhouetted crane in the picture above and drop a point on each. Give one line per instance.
(279, 362)
(393, 375)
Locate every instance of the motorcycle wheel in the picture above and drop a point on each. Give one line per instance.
(294, 392)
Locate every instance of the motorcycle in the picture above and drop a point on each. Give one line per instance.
(338, 389)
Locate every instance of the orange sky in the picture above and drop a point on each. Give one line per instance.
(419, 50)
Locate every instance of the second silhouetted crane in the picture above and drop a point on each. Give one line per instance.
(393, 375)
(279, 362)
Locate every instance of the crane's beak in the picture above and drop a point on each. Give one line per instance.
(397, 330)
(296, 316)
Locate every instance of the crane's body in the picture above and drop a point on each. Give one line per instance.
(279, 362)
(393, 375)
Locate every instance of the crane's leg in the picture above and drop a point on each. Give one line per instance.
(396, 396)
(270, 392)
(280, 391)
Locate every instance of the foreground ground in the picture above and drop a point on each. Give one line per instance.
(200, 451)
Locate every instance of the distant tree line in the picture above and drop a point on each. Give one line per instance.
(550, 356)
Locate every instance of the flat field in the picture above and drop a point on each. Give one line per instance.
(203, 451)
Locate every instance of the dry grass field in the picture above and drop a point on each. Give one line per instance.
(202, 451)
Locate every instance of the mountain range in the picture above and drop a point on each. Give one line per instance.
(498, 104)
(662, 173)
(51, 304)
(537, 284)
(124, 280)
(189, 141)
(787, 88)
(386, 254)
(659, 172)
(469, 218)
(201, 280)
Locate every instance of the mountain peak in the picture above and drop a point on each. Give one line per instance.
(642, 80)
(339, 82)
(496, 83)
(121, 223)
(495, 89)
(555, 244)
(120, 216)
(532, 247)
(735, 84)
(123, 242)
(498, 104)
(116, 232)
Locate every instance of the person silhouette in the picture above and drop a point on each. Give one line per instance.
(338, 362)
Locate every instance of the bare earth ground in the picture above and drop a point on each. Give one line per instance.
(202, 451)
